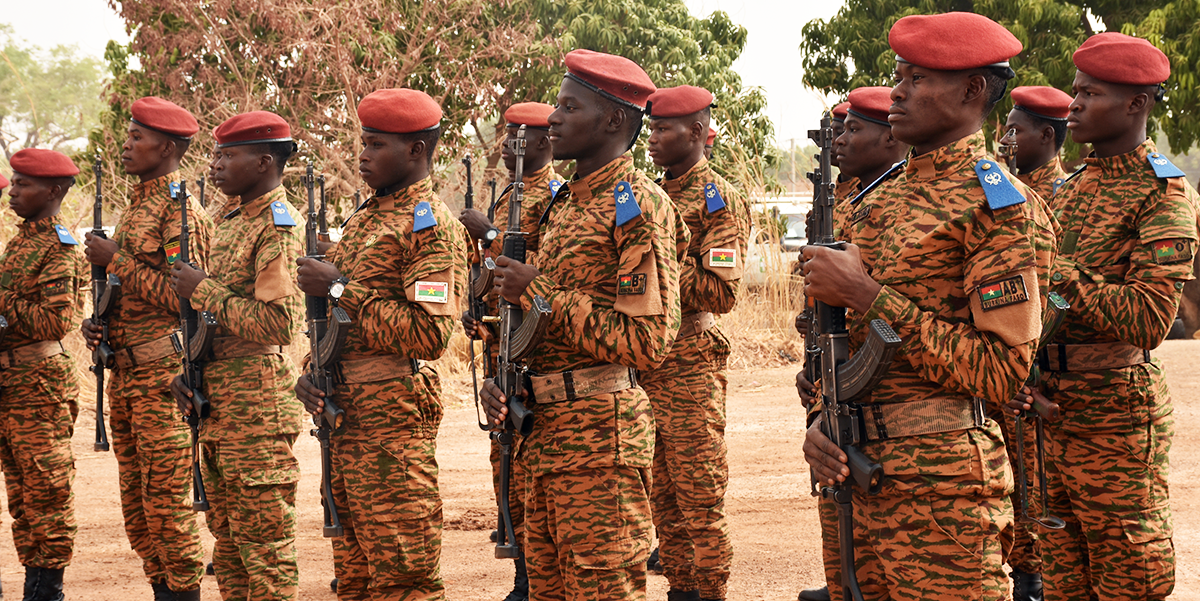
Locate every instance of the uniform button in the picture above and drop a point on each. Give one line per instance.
(987, 166)
(1057, 277)
(1179, 285)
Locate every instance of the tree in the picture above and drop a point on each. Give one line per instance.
(851, 50)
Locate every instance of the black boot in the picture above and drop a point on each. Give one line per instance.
(43, 584)
(162, 592)
(674, 595)
(520, 590)
(654, 564)
(1026, 586)
(333, 585)
(814, 594)
(188, 595)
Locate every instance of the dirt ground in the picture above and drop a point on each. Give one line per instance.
(771, 513)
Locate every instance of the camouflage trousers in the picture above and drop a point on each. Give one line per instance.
(39, 472)
(1025, 555)
(587, 534)
(251, 487)
(691, 474)
(154, 467)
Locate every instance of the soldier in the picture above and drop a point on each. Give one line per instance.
(541, 182)
(1129, 222)
(687, 392)
(399, 271)
(250, 472)
(946, 252)
(609, 272)
(41, 282)
(1035, 132)
(150, 440)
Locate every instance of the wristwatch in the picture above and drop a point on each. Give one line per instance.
(490, 236)
(338, 287)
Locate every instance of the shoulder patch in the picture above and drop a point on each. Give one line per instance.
(173, 189)
(1002, 293)
(280, 214)
(626, 203)
(423, 216)
(171, 249)
(554, 186)
(64, 235)
(999, 191)
(1056, 184)
(712, 197)
(1172, 250)
(1163, 168)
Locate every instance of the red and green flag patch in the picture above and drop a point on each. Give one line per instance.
(172, 250)
(722, 257)
(1174, 250)
(433, 292)
(631, 283)
(1003, 293)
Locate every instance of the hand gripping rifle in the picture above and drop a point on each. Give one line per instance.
(520, 332)
(844, 379)
(327, 332)
(106, 288)
(197, 330)
(1052, 319)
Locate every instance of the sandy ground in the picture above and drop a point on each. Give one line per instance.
(771, 513)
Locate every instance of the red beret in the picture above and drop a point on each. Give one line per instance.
(952, 41)
(712, 136)
(39, 162)
(1119, 58)
(1042, 101)
(164, 116)
(616, 77)
(839, 111)
(679, 101)
(399, 111)
(3, 181)
(256, 127)
(529, 114)
(871, 103)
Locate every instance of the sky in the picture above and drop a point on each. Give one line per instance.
(773, 42)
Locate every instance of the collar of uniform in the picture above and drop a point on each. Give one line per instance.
(1123, 163)
(40, 226)
(255, 207)
(155, 187)
(406, 197)
(847, 189)
(601, 181)
(1041, 174)
(674, 184)
(541, 175)
(959, 154)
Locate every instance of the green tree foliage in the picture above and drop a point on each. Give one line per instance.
(851, 50)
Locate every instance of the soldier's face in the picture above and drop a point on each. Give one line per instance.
(1029, 138)
(1100, 111)
(860, 148)
(382, 160)
(672, 141)
(29, 197)
(577, 122)
(144, 150)
(235, 170)
(926, 103)
(839, 127)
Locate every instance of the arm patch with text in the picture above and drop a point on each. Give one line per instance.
(1171, 250)
(1003, 293)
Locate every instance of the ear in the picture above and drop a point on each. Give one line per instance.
(266, 162)
(1140, 102)
(168, 148)
(616, 120)
(889, 141)
(543, 142)
(975, 88)
(416, 152)
(698, 132)
(1047, 136)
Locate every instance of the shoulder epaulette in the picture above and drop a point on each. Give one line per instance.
(423, 216)
(889, 174)
(712, 198)
(999, 191)
(64, 235)
(627, 208)
(1163, 168)
(1056, 184)
(280, 214)
(554, 186)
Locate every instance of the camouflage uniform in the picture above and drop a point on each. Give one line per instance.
(846, 189)
(942, 255)
(41, 284)
(250, 472)
(403, 297)
(615, 294)
(687, 392)
(150, 439)
(1128, 248)
(1046, 179)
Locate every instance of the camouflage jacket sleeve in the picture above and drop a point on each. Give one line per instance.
(137, 266)
(48, 312)
(703, 282)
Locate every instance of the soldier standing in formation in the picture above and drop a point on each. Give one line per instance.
(149, 438)
(687, 391)
(1037, 127)
(41, 282)
(250, 472)
(399, 271)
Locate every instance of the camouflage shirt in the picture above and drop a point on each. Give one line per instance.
(1046, 179)
(42, 284)
(251, 293)
(846, 189)
(148, 237)
(540, 187)
(406, 257)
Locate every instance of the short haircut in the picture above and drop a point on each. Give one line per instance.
(1059, 125)
(633, 124)
(996, 79)
(430, 137)
(281, 151)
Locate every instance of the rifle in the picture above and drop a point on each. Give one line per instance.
(106, 288)
(844, 379)
(1056, 312)
(327, 332)
(476, 306)
(197, 330)
(520, 332)
(200, 182)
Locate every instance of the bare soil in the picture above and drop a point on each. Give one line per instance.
(772, 516)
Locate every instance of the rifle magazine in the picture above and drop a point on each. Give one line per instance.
(533, 326)
(867, 367)
(200, 344)
(105, 294)
(482, 284)
(329, 349)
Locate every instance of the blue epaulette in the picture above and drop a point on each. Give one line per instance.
(999, 191)
(554, 186)
(1163, 168)
(280, 214)
(712, 198)
(626, 204)
(1056, 184)
(423, 216)
(64, 235)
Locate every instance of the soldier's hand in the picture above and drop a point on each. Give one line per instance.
(495, 404)
(802, 323)
(825, 459)
(314, 276)
(99, 251)
(1031, 398)
(92, 334)
(807, 390)
(185, 278)
(474, 329)
(312, 397)
(512, 278)
(838, 277)
(477, 223)
(183, 396)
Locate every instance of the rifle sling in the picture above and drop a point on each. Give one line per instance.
(883, 421)
(582, 383)
(132, 356)
(30, 353)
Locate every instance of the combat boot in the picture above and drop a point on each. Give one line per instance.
(1026, 586)
(188, 595)
(674, 595)
(161, 591)
(814, 594)
(43, 584)
(654, 563)
(520, 590)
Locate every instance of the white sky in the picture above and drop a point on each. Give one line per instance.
(771, 59)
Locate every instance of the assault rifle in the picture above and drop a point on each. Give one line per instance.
(476, 306)
(1052, 319)
(843, 379)
(106, 288)
(197, 330)
(327, 332)
(520, 332)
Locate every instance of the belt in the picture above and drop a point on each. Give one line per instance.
(30, 353)
(582, 383)
(1091, 357)
(882, 421)
(154, 350)
(695, 323)
(231, 347)
(377, 368)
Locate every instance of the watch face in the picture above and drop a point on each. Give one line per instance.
(492, 234)
(335, 290)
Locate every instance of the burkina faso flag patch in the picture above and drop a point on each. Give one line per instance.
(722, 257)
(433, 292)
(1174, 250)
(1003, 293)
